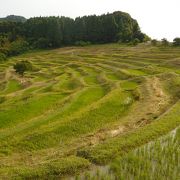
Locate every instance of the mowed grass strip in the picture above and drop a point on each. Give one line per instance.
(12, 86)
(106, 111)
(69, 106)
(48, 170)
(26, 109)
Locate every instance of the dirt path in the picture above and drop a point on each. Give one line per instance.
(7, 74)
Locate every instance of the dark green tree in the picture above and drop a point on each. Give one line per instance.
(2, 57)
(17, 47)
(80, 29)
(176, 41)
(52, 32)
(165, 42)
(154, 42)
(22, 66)
(135, 42)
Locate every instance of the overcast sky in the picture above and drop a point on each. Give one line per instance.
(157, 18)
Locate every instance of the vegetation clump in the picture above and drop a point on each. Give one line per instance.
(154, 42)
(176, 42)
(146, 162)
(2, 57)
(22, 66)
(165, 42)
(18, 47)
(82, 43)
(51, 32)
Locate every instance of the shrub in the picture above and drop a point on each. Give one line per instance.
(22, 66)
(154, 42)
(4, 50)
(42, 43)
(82, 43)
(18, 47)
(176, 42)
(146, 38)
(165, 42)
(2, 57)
(136, 94)
(135, 42)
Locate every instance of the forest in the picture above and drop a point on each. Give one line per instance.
(16, 36)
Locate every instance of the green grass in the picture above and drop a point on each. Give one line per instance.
(136, 72)
(27, 108)
(128, 85)
(66, 129)
(12, 86)
(156, 160)
(53, 169)
(2, 86)
(74, 111)
(105, 152)
(112, 76)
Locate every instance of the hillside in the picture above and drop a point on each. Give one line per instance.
(85, 106)
(13, 18)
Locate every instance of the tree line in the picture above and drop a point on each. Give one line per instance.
(51, 32)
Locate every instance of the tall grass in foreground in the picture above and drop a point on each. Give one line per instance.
(157, 160)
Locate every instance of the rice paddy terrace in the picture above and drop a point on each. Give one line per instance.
(82, 107)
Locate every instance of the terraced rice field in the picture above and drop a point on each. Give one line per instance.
(82, 107)
(156, 160)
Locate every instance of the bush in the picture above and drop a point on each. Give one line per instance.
(165, 42)
(18, 47)
(82, 43)
(22, 66)
(146, 38)
(176, 42)
(54, 169)
(154, 42)
(135, 42)
(4, 50)
(42, 43)
(2, 57)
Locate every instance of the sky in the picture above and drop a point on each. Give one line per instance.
(157, 18)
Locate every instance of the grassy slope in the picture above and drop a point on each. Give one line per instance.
(105, 152)
(144, 162)
(76, 97)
